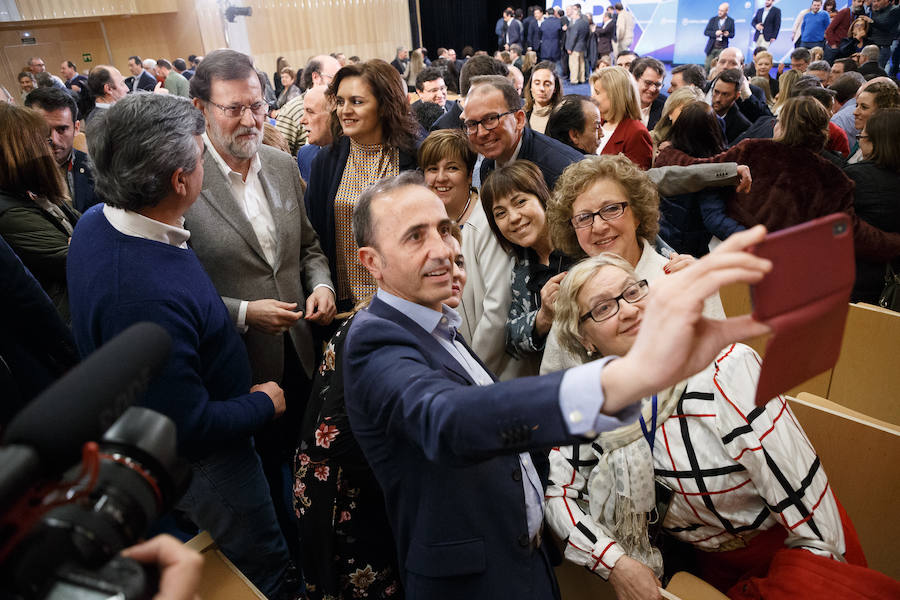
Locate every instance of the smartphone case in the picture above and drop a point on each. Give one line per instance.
(804, 299)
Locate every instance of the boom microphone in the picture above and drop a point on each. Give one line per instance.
(85, 402)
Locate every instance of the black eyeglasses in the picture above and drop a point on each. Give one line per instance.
(489, 122)
(606, 309)
(258, 108)
(609, 212)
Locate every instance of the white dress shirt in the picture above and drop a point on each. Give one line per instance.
(137, 225)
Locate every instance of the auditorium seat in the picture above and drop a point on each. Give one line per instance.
(859, 454)
(221, 579)
(867, 375)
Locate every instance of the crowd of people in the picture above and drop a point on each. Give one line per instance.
(430, 317)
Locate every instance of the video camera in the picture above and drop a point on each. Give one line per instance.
(63, 526)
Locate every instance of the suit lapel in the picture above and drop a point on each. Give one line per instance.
(217, 194)
(276, 209)
(431, 345)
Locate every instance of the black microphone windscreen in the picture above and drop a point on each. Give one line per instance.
(85, 402)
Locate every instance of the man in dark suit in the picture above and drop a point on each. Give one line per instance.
(550, 32)
(725, 92)
(719, 30)
(250, 231)
(140, 79)
(451, 448)
(474, 67)
(576, 44)
(61, 114)
(868, 66)
(495, 123)
(649, 74)
(401, 61)
(751, 100)
(766, 23)
(74, 80)
(430, 87)
(512, 30)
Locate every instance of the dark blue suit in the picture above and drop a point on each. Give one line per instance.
(444, 451)
(771, 26)
(84, 183)
(711, 29)
(548, 154)
(146, 82)
(550, 30)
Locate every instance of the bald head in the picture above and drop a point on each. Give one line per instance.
(723, 10)
(320, 70)
(316, 115)
(730, 58)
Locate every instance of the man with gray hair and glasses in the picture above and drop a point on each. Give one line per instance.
(129, 262)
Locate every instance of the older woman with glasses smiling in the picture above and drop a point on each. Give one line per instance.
(703, 464)
(608, 204)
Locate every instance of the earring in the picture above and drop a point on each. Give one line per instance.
(590, 353)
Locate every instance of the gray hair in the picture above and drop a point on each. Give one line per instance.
(819, 65)
(138, 144)
(870, 52)
(363, 223)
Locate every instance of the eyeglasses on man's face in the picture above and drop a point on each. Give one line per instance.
(258, 109)
(489, 122)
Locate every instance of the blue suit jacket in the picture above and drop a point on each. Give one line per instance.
(550, 29)
(710, 32)
(444, 451)
(771, 26)
(84, 183)
(551, 156)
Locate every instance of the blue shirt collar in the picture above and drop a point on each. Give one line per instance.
(443, 323)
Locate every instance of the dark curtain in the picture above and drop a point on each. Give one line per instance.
(458, 23)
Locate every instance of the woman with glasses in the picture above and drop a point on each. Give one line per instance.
(607, 204)
(703, 465)
(615, 92)
(515, 200)
(576, 122)
(877, 179)
(375, 137)
(542, 94)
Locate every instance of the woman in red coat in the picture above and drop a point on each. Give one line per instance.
(615, 92)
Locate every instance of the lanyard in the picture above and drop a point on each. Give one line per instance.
(650, 435)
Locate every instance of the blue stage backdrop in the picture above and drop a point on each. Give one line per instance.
(672, 31)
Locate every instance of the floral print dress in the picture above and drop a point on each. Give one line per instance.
(348, 547)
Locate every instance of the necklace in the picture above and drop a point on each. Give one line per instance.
(468, 201)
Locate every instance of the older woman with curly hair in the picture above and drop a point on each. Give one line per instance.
(375, 137)
(792, 182)
(703, 465)
(542, 94)
(607, 204)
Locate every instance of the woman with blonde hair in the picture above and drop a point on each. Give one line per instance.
(615, 91)
(416, 66)
(763, 84)
(528, 61)
(703, 465)
(786, 83)
(676, 101)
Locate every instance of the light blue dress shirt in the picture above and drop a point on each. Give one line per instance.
(580, 393)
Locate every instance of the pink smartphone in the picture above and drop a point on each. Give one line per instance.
(804, 299)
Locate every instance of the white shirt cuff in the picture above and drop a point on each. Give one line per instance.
(581, 400)
(333, 293)
(242, 316)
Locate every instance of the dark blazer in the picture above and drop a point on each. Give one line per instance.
(604, 35)
(632, 139)
(448, 106)
(754, 106)
(450, 120)
(875, 201)
(577, 35)
(550, 29)
(656, 111)
(79, 80)
(324, 180)
(444, 451)
(551, 156)
(84, 183)
(513, 32)
(400, 66)
(224, 241)
(147, 82)
(711, 29)
(527, 25)
(771, 26)
(735, 123)
(870, 69)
